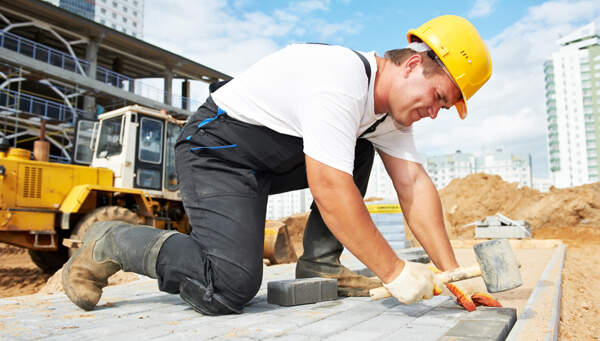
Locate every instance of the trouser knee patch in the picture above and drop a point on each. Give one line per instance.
(205, 301)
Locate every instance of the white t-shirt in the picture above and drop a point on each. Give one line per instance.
(319, 93)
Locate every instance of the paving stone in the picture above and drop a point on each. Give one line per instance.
(413, 310)
(441, 318)
(416, 309)
(483, 330)
(450, 304)
(139, 311)
(293, 337)
(302, 291)
(323, 328)
(382, 323)
(416, 333)
(360, 313)
(356, 336)
(508, 315)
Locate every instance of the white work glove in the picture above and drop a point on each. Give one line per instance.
(415, 282)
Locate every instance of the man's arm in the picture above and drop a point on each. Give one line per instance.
(346, 215)
(422, 209)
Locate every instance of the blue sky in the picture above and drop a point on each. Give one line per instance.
(508, 112)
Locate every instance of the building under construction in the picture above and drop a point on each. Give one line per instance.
(59, 70)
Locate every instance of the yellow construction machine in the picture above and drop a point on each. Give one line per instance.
(131, 178)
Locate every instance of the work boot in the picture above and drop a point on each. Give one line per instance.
(108, 247)
(321, 258)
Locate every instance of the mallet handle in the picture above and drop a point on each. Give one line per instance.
(450, 276)
(460, 273)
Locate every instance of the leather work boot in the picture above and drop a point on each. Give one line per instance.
(108, 247)
(321, 258)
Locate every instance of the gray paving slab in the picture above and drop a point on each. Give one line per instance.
(301, 291)
(139, 311)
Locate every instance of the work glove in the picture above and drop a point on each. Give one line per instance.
(470, 295)
(415, 282)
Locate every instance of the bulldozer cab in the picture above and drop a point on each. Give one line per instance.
(138, 145)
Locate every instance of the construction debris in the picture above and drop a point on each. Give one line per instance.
(502, 227)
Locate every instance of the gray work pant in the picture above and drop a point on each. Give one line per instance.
(226, 170)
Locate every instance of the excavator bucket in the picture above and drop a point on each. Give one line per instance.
(278, 245)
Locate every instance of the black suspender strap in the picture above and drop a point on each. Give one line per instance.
(368, 71)
(214, 86)
(367, 66)
(362, 58)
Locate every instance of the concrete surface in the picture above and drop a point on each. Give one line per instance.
(139, 311)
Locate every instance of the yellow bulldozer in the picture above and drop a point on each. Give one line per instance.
(131, 178)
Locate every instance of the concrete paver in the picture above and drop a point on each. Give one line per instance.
(301, 291)
(139, 311)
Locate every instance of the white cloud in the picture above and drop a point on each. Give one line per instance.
(325, 30)
(563, 12)
(224, 35)
(309, 6)
(510, 109)
(481, 8)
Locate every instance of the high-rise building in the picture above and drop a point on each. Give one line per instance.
(510, 167)
(125, 16)
(380, 183)
(286, 204)
(444, 168)
(572, 76)
(441, 169)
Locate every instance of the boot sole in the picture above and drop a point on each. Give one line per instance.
(94, 233)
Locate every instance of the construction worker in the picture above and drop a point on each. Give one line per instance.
(309, 115)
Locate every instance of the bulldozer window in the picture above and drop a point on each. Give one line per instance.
(173, 131)
(148, 178)
(109, 144)
(151, 140)
(83, 153)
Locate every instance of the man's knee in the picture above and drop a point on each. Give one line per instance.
(226, 291)
(239, 284)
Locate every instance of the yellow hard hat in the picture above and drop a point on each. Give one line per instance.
(458, 45)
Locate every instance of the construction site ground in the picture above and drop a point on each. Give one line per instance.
(138, 310)
(133, 307)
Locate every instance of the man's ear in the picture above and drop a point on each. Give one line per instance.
(412, 64)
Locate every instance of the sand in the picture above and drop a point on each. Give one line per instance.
(20, 276)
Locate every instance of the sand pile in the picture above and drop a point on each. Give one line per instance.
(18, 274)
(479, 195)
(295, 225)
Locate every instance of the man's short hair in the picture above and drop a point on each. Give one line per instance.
(430, 66)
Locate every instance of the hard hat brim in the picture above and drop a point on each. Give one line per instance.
(461, 107)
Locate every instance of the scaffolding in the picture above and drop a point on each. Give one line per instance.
(57, 67)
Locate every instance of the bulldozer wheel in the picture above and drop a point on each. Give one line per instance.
(107, 213)
(49, 261)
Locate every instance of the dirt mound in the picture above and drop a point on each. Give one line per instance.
(17, 281)
(480, 195)
(9, 250)
(295, 225)
(18, 274)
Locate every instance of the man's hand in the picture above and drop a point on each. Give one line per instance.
(470, 296)
(415, 282)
